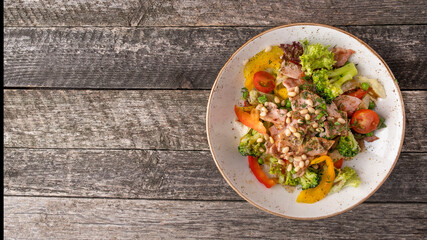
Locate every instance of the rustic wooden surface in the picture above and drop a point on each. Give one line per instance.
(104, 118)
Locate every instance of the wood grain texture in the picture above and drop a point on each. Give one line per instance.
(147, 174)
(71, 13)
(52, 218)
(210, 13)
(136, 119)
(171, 57)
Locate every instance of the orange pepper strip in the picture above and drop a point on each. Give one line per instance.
(313, 195)
(251, 120)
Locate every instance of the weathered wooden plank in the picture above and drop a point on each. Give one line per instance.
(143, 119)
(147, 174)
(71, 13)
(169, 58)
(53, 218)
(210, 13)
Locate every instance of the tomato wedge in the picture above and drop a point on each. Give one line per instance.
(264, 82)
(251, 120)
(338, 164)
(259, 174)
(359, 93)
(364, 121)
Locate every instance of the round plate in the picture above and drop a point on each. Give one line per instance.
(373, 165)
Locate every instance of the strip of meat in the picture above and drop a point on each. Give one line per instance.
(341, 55)
(316, 146)
(291, 70)
(371, 138)
(274, 115)
(348, 103)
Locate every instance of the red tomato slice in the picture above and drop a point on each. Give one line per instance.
(264, 82)
(251, 120)
(364, 121)
(338, 164)
(259, 174)
(359, 93)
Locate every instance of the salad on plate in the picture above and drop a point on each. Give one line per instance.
(308, 112)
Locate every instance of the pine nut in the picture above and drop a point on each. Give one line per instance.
(330, 118)
(289, 114)
(300, 121)
(297, 159)
(289, 167)
(311, 110)
(292, 129)
(301, 164)
(264, 109)
(283, 103)
(276, 100)
(309, 102)
(288, 120)
(307, 117)
(304, 111)
(304, 157)
(297, 169)
(297, 135)
(287, 132)
(341, 120)
(292, 94)
(315, 125)
(262, 114)
(296, 89)
(285, 150)
(317, 111)
(281, 162)
(271, 140)
(260, 140)
(261, 149)
(319, 129)
(307, 162)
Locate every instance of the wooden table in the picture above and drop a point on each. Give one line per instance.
(104, 118)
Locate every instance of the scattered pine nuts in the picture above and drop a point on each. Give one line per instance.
(285, 150)
(309, 102)
(341, 120)
(297, 135)
(281, 162)
(304, 157)
(276, 100)
(307, 117)
(292, 94)
(262, 114)
(315, 125)
(289, 167)
(287, 132)
(304, 111)
(292, 129)
(311, 110)
(271, 140)
(317, 111)
(260, 140)
(296, 89)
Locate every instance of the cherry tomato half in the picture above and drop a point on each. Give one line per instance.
(264, 82)
(364, 121)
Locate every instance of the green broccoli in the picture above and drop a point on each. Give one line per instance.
(328, 82)
(348, 146)
(316, 56)
(249, 144)
(345, 177)
(290, 180)
(310, 179)
(276, 169)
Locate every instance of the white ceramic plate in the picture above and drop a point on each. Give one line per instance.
(224, 132)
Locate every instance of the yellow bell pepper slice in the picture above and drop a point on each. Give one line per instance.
(282, 92)
(261, 62)
(313, 195)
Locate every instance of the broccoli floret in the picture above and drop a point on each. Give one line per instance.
(310, 179)
(346, 177)
(249, 146)
(290, 180)
(328, 82)
(348, 146)
(276, 169)
(316, 56)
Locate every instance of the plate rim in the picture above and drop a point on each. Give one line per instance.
(283, 215)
